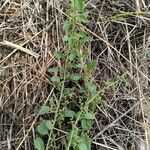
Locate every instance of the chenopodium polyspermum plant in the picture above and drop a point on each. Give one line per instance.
(75, 68)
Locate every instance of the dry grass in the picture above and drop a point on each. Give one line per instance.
(31, 30)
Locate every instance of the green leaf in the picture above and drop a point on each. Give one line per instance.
(91, 66)
(86, 124)
(58, 54)
(49, 124)
(80, 65)
(66, 38)
(79, 5)
(93, 91)
(44, 110)
(83, 38)
(82, 17)
(85, 142)
(92, 88)
(39, 144)
(88, 115)
(42, 129)
(77, 114)
(82, 146)
(62, 70)
(74, 137)
(53, 70)
(75, 77)
(55, 79)
(69, 113)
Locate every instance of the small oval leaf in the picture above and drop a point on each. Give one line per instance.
(44, 110)
(85, 142)
(91, 66)
(42, 129)
(55, 79)
(53, 70)
(75, 77)
(89, 116)
(82, 146)
(69, 114)
(86, 124)
(49, 124)
(39, 144)
(82, 17)
(58, 54)
(79, 5)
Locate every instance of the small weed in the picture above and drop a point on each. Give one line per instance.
(75, 69)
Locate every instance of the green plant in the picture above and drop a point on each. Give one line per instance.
(75, 69)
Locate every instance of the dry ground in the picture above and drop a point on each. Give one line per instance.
(31, 30)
